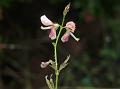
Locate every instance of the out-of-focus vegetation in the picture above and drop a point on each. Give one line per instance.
(95, 60)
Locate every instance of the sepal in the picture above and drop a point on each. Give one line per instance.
(64, 64)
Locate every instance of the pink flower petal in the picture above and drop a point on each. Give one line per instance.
(71, 26)
(65, 37)
(45, 21)
(52, 34)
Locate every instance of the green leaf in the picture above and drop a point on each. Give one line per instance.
(109, 53)
(65, 63)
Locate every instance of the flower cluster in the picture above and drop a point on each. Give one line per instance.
(70, 28)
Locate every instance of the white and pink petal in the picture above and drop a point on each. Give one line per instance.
(45, 21)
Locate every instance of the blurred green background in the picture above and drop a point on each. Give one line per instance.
(95, 59)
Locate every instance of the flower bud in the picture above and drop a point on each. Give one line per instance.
(44, 64)
(66, 10)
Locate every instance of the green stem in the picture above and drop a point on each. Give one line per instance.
(55, 54)
(61, 27)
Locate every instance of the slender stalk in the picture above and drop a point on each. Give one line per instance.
(55, 54)
(56, 71)
(61, 27)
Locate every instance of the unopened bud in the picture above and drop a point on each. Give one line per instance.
(66, 10)
(44, 64)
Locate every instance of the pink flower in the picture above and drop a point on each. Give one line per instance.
(49, 25)
(70, 27)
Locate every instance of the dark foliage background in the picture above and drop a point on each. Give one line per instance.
(95, 59)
